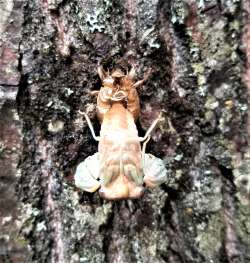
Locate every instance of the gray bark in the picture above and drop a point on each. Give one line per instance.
(199, 56)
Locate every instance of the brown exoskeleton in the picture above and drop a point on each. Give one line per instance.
(120, 168)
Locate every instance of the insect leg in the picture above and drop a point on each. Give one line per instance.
(87, 173)
(101, 72)
(145, 78)
(138, 83)
(151, 128)
(144, 149)
(94, 92)
(131, 73)
(97, 138)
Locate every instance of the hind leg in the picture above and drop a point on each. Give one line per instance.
(150, 129)
(154, 169)
(97, 138)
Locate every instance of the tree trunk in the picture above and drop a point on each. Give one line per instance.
(198, 55)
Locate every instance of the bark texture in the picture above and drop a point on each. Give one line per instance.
(198, 54)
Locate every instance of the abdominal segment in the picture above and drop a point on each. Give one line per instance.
(121, 174)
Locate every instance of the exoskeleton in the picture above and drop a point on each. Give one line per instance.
(120, 168)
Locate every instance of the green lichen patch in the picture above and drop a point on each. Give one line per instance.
(209, 236)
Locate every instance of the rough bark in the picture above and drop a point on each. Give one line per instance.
(199, 56)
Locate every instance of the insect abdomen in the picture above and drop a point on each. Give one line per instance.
(121, 170)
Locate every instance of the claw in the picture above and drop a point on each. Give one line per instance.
(154, 170)
(87, 173)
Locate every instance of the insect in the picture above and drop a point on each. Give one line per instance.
(121, 168)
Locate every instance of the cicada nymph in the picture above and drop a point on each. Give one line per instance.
(120, 168)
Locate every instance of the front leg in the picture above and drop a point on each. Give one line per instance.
(133, 102)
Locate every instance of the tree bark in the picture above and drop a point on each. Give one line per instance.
(198, 54)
